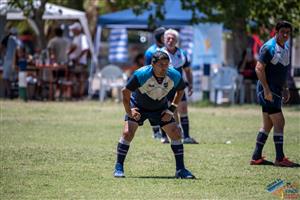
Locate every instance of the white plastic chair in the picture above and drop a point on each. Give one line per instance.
(224, 80)
(111, 77)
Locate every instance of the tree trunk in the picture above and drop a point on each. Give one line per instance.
(239, 40)
(92, 10)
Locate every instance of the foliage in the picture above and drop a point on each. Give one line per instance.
(33, 11)
(75, 4)
(66, 150)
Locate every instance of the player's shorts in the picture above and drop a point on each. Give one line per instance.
(153, 117)
(270, 107)
(271, 110)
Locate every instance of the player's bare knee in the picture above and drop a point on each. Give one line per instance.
(128, 135)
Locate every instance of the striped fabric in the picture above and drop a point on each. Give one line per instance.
(186, 38)
(118, 45)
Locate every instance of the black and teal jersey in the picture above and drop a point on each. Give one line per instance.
(150, 95)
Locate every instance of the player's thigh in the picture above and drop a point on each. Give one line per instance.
(172, 130)
(182, 107)
(129, 130)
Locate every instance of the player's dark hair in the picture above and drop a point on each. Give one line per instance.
(283, 24)
(159, 55)
(158, 33)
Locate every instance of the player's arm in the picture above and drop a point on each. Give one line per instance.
(189, 77)
(126, 100)
(168, 114)
(285, 92)
(261, 75)
(188, 72)
(131, 85)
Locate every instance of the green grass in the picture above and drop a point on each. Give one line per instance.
(67, 151)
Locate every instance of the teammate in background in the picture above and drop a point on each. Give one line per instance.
(272, 88)
(179, 59)
(159, 43)
(145, 97)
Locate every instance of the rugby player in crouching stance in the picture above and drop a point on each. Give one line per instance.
(145, 97)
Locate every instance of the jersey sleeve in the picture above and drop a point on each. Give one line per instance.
(133, 83)
(181, 85)
(148, 57)
(264, 55)
(187, 62)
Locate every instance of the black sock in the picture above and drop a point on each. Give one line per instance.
(260, 142)
(184, 121)
(122, 150)
(278, 140)
(163, 134)
(178, 153)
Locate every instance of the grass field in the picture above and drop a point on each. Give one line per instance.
(66, 150)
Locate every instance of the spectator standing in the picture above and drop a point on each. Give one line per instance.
(8, 72)
(58, 48)
(78, 53)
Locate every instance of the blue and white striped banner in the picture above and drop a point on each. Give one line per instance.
(118, 45)
(187, 39)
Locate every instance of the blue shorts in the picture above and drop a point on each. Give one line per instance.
(277, 98)
(153, 117)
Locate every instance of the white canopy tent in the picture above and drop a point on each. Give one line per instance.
(52, 12)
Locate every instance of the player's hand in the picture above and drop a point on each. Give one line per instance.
(135, 114)
(268, 95)
(286, 95)
(166, 117)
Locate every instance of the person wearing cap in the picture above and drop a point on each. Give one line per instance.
(159, 43)
(78, 55)
(8, 72)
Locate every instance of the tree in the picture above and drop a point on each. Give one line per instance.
(33, 11)
(234, 14)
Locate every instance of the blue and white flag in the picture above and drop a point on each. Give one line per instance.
(186, 40)
(207, 44)
(118, 45)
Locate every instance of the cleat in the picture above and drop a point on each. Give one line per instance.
(261, 161)
(164, 140)
(119, 171)
(184, 174)
(286, 163)
(189, 140)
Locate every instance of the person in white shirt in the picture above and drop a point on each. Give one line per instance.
(78, 55)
